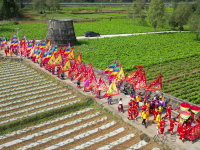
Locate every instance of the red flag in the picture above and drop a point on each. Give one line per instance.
(92, 83)
(112, 90)
(132, 78)
(155, 85)
(72, 71)
(141, 81)
(101, 85)
(78, 59)
(80, 72)
(58, 52)
(87, 74)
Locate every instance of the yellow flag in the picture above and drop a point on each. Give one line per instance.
(48, 45)
(112, 90)
(120, 76)
(51, 60)
(71, 54)
(58, 60)
(78, 59)
(66, 67)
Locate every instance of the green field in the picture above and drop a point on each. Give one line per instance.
(145, 50)
(186, 88)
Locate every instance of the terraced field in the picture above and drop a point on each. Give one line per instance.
(25, 93)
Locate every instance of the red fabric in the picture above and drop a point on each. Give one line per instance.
(132, 78)
(120, 108)
(161, 130)
(130, 113)
(136, 112)
(155, 113)
(141, 81)
(80, 72)
(144, 107)
(92, 82)
(168, 113)
(155, 85)
(101, 85)
(182, 132)
(162, 124)
(129, 103)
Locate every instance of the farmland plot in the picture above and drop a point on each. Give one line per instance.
(86, 128)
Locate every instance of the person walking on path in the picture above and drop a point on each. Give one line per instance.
(10, 52)
(162, 126)
(158, 119)
(172, 123)
(144, 107)
(183, 131)
(98, 95)
(136, 111)
(155, 113)
(147, 113)
(6, 51)
(130, 112)
(62, 75)
(168, 113)
(109, 99)
(144, 117)
(120, 106)
(78, 83)
(16, 52)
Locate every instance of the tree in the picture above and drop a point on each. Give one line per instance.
(194, 21)
(194, 24)
(39, 4)
(182, 14)
(9, 9)
(53, 4)
(172, 21)
(156, 13)
(139, 9)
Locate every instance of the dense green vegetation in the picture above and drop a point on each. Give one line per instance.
(33, 30)
(186, 88)
(145, 50)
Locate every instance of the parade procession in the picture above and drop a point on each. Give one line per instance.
(65, 63)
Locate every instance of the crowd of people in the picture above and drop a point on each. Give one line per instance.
(154, 107)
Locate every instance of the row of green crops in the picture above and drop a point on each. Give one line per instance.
(173, 68)
(186, 88)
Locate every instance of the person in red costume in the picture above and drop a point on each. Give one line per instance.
(168, 113)
(172, 123)
(155, 114)
(136, 112)
(130, 112)
(183, 131)
(162, 126)
(52, 70)
(144, 107)
(6, 51)
(130, 103)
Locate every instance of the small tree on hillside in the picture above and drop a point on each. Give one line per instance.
(156, 13)
(182, 14)
(139, 9)
(194, 21)
(194, 24)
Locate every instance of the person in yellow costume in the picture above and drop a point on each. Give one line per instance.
(162, 96)
(147, 114)
(160, 109)
(144, 117)
(158, 118)
(138, 99)
(10, 52)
